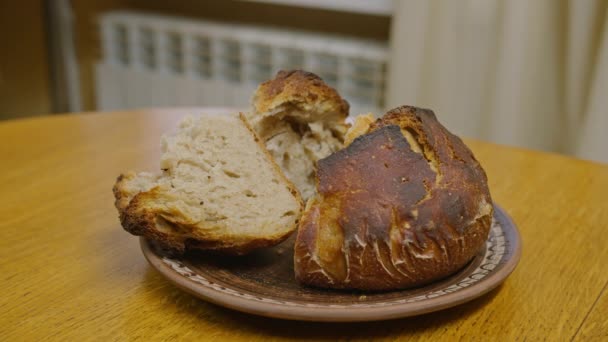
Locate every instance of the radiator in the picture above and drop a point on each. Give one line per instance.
(159, 61)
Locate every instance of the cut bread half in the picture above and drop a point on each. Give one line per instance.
(219, 190)
(301, 120)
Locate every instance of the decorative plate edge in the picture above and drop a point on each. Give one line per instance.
(496, 249)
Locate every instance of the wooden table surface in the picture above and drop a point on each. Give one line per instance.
(69, 272)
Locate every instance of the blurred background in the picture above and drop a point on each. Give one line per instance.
(532, 74)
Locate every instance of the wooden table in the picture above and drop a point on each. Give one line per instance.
(69, 272)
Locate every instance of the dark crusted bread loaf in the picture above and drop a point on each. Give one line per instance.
(404, 204)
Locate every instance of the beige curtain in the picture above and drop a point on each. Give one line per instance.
(519, 72)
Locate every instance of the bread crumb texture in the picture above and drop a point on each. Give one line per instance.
(218, 189)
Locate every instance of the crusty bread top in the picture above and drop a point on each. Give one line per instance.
(440, 162)
(301, 120)
(300, 89)
(402, 205)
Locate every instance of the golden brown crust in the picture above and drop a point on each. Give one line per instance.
(172, 232)
(360, 126)
(408, 203)
(138, 220)
(120, 195)
(297, 87)
(140, 216)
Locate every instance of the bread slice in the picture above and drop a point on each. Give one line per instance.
(406, 203)
(219, 189)
(301, 120)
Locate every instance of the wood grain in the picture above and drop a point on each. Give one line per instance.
(595, 327)
(69, 272)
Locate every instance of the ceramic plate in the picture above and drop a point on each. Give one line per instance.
(263, 283)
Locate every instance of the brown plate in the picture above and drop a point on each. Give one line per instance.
(263, 283)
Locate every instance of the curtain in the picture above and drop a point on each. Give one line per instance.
(526, 73)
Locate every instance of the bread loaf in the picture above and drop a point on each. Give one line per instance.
(301, 120)
(219, 189)
(405, 204)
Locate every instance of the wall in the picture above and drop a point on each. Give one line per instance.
(24, 68)
(24, 57)
(87, 32)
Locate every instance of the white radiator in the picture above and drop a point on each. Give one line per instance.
(151, 60)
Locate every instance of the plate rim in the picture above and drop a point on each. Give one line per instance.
(344, 314)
